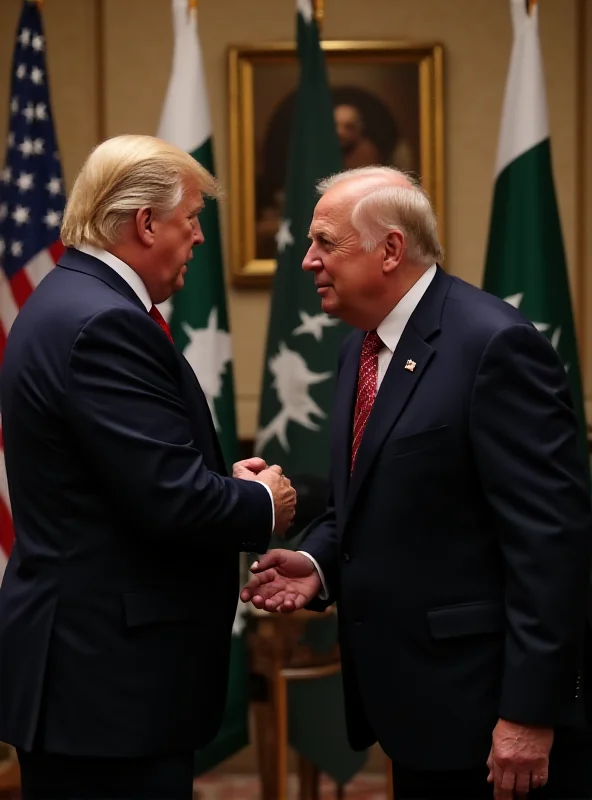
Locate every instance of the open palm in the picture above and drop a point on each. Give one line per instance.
(283, 581)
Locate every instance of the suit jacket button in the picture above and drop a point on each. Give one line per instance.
(346, 557)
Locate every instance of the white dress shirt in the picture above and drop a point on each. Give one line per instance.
(137, 284)
(390, 331)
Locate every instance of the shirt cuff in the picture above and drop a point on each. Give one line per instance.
(324, 595)
(269, 492)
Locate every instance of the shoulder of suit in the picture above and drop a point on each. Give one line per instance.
(478, 311)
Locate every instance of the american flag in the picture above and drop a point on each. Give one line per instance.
(31, 201)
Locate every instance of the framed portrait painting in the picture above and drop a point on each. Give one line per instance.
(388, 109)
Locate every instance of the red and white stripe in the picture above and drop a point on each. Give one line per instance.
(13, 294)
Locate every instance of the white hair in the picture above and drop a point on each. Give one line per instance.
(387, 205)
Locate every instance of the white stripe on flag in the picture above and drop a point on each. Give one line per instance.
(8, 306)
(39, 266)
(185, 117)
(524, 116)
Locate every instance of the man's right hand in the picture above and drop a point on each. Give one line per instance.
(283, 581)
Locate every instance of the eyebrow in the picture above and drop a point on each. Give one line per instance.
(197, 209)
(320, 233)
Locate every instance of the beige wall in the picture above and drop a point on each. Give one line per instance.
(109, 63)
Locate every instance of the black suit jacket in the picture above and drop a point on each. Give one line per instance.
(458, 552)
(118, 600)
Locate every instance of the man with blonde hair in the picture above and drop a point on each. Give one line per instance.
(113, 669)
(456, 540)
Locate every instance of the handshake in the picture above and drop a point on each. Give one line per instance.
(282, 492)
(283, 581)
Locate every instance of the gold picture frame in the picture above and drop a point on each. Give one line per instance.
(389, 107)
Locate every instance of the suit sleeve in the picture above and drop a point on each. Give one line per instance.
(524, 434)
(126, 412)
(322, 544)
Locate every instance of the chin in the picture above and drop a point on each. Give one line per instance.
(328, 307)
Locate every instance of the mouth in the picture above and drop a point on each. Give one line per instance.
(323, 288)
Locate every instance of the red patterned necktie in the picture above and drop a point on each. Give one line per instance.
(367, 387)
(157, 317)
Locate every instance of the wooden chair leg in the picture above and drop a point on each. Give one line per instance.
(263, 718)
(280, 703)
(309, 777)
(390, 791)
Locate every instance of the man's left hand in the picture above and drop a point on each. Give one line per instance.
(519, 759)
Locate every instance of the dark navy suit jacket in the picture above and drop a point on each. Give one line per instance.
(118, 600)
(459, 549)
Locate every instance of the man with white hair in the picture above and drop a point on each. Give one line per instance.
(113, 668)
(456, 540)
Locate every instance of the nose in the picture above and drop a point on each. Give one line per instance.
(198, 237)
(311, 260)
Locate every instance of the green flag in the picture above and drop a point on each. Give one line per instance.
(199, 323)
(525, 256)
(299, 379)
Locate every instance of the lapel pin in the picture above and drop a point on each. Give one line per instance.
(410, 365)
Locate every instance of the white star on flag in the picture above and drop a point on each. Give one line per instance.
(54, 186)
(37, 75)
(38, 147)
(542, 327)
(14, 105)
(52, 219)
(41, 111)
(16, 248)
(314, 325)
(25, 37)
(29, 112)
(26, 147)
(21, 71)
(305, 8)
(20, 215)
(283, 237)
(25, 181)
(6, 175)
(37, 43)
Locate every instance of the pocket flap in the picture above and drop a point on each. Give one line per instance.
(142, 608)
(417, 441)
(467, 618)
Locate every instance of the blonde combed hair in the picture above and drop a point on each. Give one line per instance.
(122, 175)
(386, 206)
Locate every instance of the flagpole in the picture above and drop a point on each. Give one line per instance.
(582, 286)
(318, 10)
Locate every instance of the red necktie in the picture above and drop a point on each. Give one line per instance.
(157, 317)
(367, 387)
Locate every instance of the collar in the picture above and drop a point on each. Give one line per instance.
(122, 269)
(393, 325)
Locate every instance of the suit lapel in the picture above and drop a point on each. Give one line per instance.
(343, 420)
(394, 393)
(399, 383)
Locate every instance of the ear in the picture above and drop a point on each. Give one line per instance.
(144, 220)
(394, 250)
